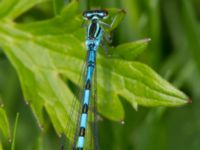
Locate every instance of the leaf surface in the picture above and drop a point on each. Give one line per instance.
(10, 9)
(129, 51)
(44, 52)
(4, 125)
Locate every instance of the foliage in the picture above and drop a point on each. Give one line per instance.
(48, 53)
(4, 125)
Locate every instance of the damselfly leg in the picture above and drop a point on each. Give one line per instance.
(107, 31)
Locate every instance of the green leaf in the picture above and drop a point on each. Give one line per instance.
(4, 125)
(151, 134)
(13, 8)
(137, 83)
(191, 28)
(14, 132)
(42, 86)
(58, 5)
(1, 147)
(44, 52)
(129, 51)
(60, 24)
(116, 16)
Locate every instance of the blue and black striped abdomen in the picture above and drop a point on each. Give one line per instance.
(93, 40)
(86, 98)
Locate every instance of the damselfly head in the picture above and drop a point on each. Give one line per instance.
(95, 14)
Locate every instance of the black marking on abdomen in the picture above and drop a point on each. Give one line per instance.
(85, 109)
(88, 85)
(82, 131)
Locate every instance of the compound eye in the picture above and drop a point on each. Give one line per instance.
(104, 14)
(87, 15)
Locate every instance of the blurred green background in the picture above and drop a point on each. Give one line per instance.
(174, 27)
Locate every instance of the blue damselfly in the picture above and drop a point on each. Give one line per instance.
(95, 37)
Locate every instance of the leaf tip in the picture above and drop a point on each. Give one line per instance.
(144, 41)
(59, 135)
(135, 106)
(147, 40)
(123, 11)
(189, 101)
(10, 140)
(41, 126)
(122, 122)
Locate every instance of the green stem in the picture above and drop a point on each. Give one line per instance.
(14, 133)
